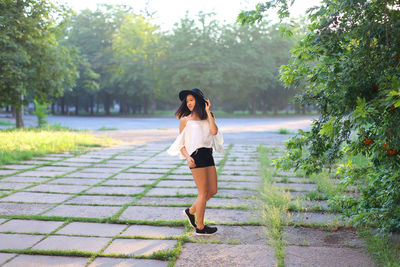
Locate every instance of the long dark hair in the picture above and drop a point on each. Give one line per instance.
(199, 108)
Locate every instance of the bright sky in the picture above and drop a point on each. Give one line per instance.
(169, 12)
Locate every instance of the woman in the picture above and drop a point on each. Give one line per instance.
(198, 135)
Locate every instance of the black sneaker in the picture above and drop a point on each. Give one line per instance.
(206, 230)
(190, 217)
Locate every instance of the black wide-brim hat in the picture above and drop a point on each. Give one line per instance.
(193, 91)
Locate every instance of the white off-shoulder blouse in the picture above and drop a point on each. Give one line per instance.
(196, 134)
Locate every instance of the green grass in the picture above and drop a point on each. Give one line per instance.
(6, 123)
(23, 144)
(285, 131)
(105, 128)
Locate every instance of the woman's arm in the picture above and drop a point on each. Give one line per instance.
(211, 119)
(190, 160)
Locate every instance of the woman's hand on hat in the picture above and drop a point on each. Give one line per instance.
(190, 162)
(208, 105)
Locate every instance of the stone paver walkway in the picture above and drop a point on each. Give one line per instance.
(100, 207)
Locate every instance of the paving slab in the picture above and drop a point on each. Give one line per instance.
(224, 177)
(71, 164)
(101, 200)
(157, 165)
(39, 260)
(17, 179)
(295, 180)
(56, 169)
(306, 204)
(158, 191)
(137, 176)
(128, 163)
(231, 216)
(243, 235)
(58, 188)
(128, 182)
(315, 217)
(5, 256)
(76, 181)
(139, 246)
(22, 209)
(297, 187)
(18, 166)
(29, 226)
(175, 183)
(227, 171)
(35, 162)
(236, 193)
(89, 175)
(152, 213)
(100, 169)
(326, 256)
(301, 236)
(7, 172)
(40, 174)
(192, 255)
(91, 244)
(115, 190)
(143, 170)
(6, 185)
(239, 185)
(35, 197)
(2, 220)
(93, 229)
(188, 177)
(103, 262)
(18, 241)
(153, 231)
(83, 160)
(82, 211)
(166, 200)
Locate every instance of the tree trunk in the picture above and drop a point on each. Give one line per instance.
(19, 112)
(264, 110)
(91, 103)
(62, 105)
(76, 105)
(153, 103)
(254, 105)
(107, 104)
(146, 106)
(53, 108)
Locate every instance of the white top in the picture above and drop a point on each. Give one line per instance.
(196, 134)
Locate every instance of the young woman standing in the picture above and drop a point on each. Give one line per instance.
(198, 136)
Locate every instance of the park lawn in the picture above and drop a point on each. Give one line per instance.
(23, 144)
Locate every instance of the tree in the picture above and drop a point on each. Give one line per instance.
(31, 59)
(348, 66)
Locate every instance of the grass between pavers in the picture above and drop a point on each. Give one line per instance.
(23, 144)
(275, 205)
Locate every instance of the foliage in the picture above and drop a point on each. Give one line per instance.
(31, 59)
(41, 113)
(348, 66)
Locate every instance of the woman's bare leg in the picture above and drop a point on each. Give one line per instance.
(200, 178)
(212, 188)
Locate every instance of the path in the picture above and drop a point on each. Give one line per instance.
(100, 207)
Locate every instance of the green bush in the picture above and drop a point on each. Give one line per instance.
(41, 113)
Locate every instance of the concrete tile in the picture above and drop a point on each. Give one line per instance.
(5, 185)
(58, 188)
(315, 217)
(231, 216)
(2, 220)
(104, 262)
(89, 175)
(17, 179)
(83, 160)
(137, 176)
(166, 200)
(102, 170)
(180, 177)
(22, 209)
(301, 236)
(158, 191)
(236, 193)
(5, 256)
(239, 185)
(326, 256)
(128, 182)
(143, 170)
(139, 246)
(76, 181)
(18, 166)
(39, 260)
(18, 241)
(35, 197)
(40, 174)
(91, 244)
(297, 187)
(71, 164)
(153, 231)
(93, 229)
(56, 169)
(29, 226)
(101, 200)
(159, 165)
(224, 177)
(152, 213)
(175, 183)
(115, 190)
(192, 255)
(7, 172)
(82, 211)
(243, 235)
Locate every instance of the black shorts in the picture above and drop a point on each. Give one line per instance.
(203, 157)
